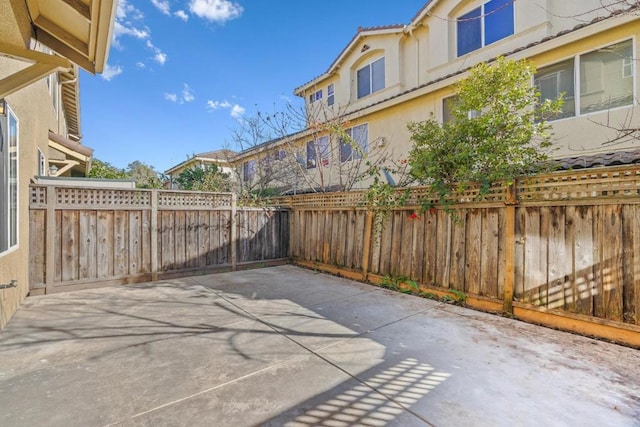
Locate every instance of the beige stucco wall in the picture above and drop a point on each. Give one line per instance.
(426, 53)
(33, 108)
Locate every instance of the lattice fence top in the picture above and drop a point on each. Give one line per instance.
(111, 198)
(621, 182)
(580, 186)
(193, 200)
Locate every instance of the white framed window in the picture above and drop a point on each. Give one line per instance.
(357, 145)
(592, 81)
(316, 96)
(8, 180)
(447, 104)
(492, 21)
(42, 163)
(249, 170)
(371, 78)
(318, 152)
(331, 94)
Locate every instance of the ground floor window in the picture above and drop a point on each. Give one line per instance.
(8, 180)
(357, 145)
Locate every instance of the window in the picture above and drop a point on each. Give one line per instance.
(311, 154)
(601, 84)
(330, 94)
(357, 145)
(42, 163)
(249, 170)
(447, 103)
(8, 181)
(280, 155)
(484, 25)
(371, 78)
(316, 96)
(557, 80)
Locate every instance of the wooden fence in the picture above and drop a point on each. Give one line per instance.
(561, 249)
(82, 237)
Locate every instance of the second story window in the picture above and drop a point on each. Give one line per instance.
(484, 25)
(371, 78)
(316, 96)
(330, 94)
(594, 81)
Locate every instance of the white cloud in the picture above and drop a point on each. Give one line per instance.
(111, 72)
(184, 97)
(126, 10)
(187, 93)
(160, 58)
(237, 111)
(214, 105)
(182, 15)
(163, 6)
(140, 65)
(218, 11)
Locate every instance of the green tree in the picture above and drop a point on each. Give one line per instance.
(209, 178)
(497, 132)
(105, 170)
(144, 175)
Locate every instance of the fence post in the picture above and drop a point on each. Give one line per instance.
(154, 235)
(233, 233)
(510, 247)
(366, 250)
(50, 246)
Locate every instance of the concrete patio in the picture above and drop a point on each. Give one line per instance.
(287, 346)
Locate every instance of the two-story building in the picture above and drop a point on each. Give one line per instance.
(387, 76)
(42, 43)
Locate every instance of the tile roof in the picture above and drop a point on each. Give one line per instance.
(601, 159)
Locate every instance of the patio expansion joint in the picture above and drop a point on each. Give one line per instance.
(317, 354)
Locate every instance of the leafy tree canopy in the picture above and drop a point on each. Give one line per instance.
(209, 178)
(105, 170)
(496, 132)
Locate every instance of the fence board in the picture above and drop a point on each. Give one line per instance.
(558, 271)
(612, 271)
(417, 250)
(631, 251)
(135, 243)
(192, 244)
(459, 267)
(180, 239)
(473, 253)
(120, 243)
(489, 253)
(146, 242)
(443, 248)
(88, 245)
(37, 247)
(430, 239)
(70, 245)
(585, 259)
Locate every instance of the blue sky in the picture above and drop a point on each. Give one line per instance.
(182, 72)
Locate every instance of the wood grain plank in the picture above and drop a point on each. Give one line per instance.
(489, 253)
(613, 263)
(88, 244)
(585, 259)
(631, 264)
(473, 253)
(105, 248)
(559, 261)
(135, 239)
(70, 245)
(120, 243)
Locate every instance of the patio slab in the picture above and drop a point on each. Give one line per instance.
(289, 346)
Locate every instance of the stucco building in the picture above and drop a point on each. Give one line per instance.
(388, 76)
(42, 43)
